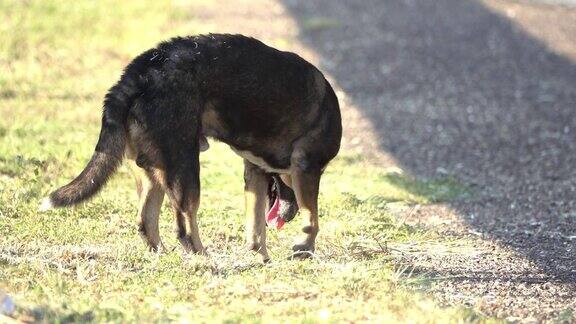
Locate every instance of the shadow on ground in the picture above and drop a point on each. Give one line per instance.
(453, 87)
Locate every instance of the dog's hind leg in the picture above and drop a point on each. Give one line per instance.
(183, 187)
(151, 197)
(256, 196)
(186, 200)
(172, 124)
(306, 185)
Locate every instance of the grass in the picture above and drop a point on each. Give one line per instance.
(57, 58)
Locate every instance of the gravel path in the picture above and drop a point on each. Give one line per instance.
(484, 91)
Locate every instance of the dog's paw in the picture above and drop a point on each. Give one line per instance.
(254, 246)
(189, 247)
(303, 251)
(159, 249)
(257, 247)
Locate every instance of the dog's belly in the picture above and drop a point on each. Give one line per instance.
(239, 135)
(258, 161)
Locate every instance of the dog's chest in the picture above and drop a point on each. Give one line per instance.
(258, 161)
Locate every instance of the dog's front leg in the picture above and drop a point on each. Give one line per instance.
(306, 185)
(256, 195)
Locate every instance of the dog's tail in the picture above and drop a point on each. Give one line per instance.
(109, 149)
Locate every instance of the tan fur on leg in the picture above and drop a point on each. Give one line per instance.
(256, 195)
(151, 197)
(306, 187)
(191, 215)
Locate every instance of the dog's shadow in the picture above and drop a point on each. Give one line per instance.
(453, 86)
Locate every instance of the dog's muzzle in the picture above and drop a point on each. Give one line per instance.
(282, 206)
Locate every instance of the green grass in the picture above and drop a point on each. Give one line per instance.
(88, 263)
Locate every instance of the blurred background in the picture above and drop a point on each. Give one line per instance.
(482, 93)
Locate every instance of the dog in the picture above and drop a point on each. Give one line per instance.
(273, 108)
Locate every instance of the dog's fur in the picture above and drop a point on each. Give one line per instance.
(273, 108)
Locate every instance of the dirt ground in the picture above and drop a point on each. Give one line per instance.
(483, 91)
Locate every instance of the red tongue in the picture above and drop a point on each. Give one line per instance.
(272, 218)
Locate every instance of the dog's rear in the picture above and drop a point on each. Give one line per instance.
(111, 146)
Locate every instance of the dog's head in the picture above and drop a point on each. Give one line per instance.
(281, 199)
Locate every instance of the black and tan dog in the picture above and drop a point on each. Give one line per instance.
(272, 108)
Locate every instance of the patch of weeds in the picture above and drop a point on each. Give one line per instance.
(18, 165)
(356, 286)
(431, 191)
(350, 200)
(64, 316)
